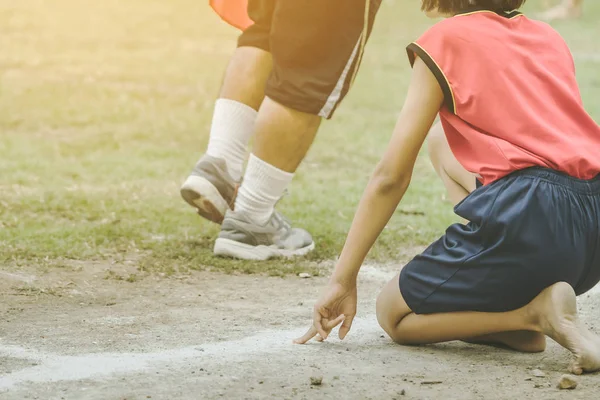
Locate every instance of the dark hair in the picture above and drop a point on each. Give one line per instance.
(455, 6)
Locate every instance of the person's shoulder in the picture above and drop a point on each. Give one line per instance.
(441, 28)
(444, 36)
(451, 29)
(543, 27)
(480, 26)
(543, 32)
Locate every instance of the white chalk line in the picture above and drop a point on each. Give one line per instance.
(56, 368)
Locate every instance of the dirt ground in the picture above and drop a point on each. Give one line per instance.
(82, 332)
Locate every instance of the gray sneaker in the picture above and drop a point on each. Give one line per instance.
(210, 189)
(240, 238)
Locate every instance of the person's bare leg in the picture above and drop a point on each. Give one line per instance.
(458, 181)
(246, 76)
(566, 9)
(255, 230)
(576, 8)
(282, 139)
(553, 313)
(283, 136)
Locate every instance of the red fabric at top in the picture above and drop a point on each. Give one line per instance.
(234, 12)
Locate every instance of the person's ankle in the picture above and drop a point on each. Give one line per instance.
(261, 189)
(532, 317)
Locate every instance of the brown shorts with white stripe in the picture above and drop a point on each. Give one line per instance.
(316, 45)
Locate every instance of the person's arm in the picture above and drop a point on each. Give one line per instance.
(393, 173)
(379, 201)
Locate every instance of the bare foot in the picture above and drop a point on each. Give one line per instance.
(556, 308)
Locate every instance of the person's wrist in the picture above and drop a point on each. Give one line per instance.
(344, 278)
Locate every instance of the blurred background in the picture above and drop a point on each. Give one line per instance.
(105, 106)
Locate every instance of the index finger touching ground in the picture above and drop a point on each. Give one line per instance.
(311, 333)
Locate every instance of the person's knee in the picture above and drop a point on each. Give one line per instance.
(380, 311)
(387, 319)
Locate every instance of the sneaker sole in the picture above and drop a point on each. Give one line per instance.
(231, 248)
(199, 193)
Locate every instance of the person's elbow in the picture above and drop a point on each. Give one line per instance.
(387, 180)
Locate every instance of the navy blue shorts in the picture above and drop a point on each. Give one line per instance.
(527, 231)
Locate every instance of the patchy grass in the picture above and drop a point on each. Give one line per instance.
(105, 106)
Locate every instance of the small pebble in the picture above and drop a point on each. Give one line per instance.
(567, 382)
(316, 380)
(402, 392)
(538, 373)
(304, 275)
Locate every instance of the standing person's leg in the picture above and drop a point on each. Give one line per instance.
(211, 186)
(316, 50)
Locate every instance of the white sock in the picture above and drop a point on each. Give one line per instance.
(262, 187)
(232, 127)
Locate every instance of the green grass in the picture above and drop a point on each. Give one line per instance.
(106, 105)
